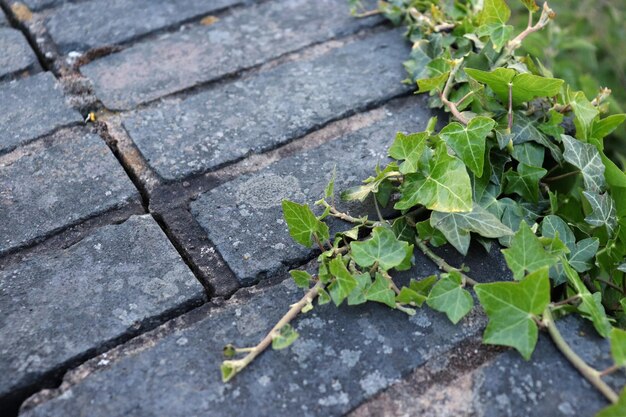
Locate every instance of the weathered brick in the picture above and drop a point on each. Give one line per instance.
(63, 304)
(245, 38)
(16, 54)
(243, 217)
(86, 25)
(58, 182)
(226, 123)
(31, 108)
(341, 358)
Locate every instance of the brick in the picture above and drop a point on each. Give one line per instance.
(31, 108)
(86, 25)
(58, 182)
(245, 38)
(61, 305)
(341, 358)
(224, 124)
(16, 54)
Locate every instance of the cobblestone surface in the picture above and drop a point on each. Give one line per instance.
(68, 302)
(16, 57)
(57, 182)
(31, 108)
(245, 38)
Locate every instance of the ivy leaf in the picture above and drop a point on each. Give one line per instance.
(285, 337)
(553, 226)
(448, 296)
(380, 292)
(468, 142)
(531, 5)
(584, 113)
(618, 346)
(585, 250)
(383, 248)
(529, 153)
(344, 281)
(429, 234)
(301, 278)
(425, 85)
(524, 181)
(591, 305)
(408, 148)
(403, 230)
(512, 307)
(602, 211)
(329, 191)
(587, 159)
(303, 224)
(495, 11)
(615, 410)
(456, 226)
(525, 87)
(524, 130)
(606, 126)
(526, 253)
(417, 291)
(499, 33)
(446, 188)
(357, 296)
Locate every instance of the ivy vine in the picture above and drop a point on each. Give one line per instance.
(521, 164)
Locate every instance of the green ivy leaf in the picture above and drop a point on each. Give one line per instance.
(512, 308)
(581, 256)
(329, 191)
(284, 338)
(618, 346)
(602, 211)
(425, 85)
(408, 148)
(587, 159)
(615, 410)
(446, 188)
(429, 234)
(606, 126)
(553, 226)
(417, 291)
(383, 248)
(303, 224)
(301, 278)
(584, 113)
(525, 130)
(344, 281)
(494, 11)
(380, 292)
(531, 5)
(357, 296)
(468, 142)
(529, 153)
(524, 181)
(449, 297)
(526, 253)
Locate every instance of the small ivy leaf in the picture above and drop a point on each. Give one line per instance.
(284, 338)
(618, 346)
(449, 297)
(403, 230)
(606, 126)
(580, 258)
(524, 181)
(553, 226)
(524, 130)
(408, 148)
(383, 248)
(587, 159)
(408, 261)
(499, 33)
(323, 297)
(468, 142)
(229, 370)
(380, 292)
(417, 291)
(329, 191)
(429, 234)
(408, 296)
(531, 5)
(307, 307)
(357, 296)
(303, 224)
(494, 11)
(584, 113)
(229, 351)
(301, 278)
(615, 410)
(602, 211)
(358, 193)
(529, 153)
(435, 83)
(512, 307)
(591, 305)
(344, 281)
(526, 253)
(446, 188)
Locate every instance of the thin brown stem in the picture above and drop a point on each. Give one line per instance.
(610, 284)
(567, 301)
(368, 13)
(392, 284)
(610, 370)
(547, 14)
(446, 92)
(442, 264)
(558, 177)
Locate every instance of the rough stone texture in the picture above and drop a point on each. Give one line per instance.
(37, 4)
(86, 25)
(243, 217)
(3, 19)
(508, 386)
(16, 54)
(342, 357)
(57, 182)
(31, 108)
(241, 40)
(184, 137)
(65, 303)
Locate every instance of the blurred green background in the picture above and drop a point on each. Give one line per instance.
(586, 46)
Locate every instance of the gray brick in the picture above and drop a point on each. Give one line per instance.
(30, 108)
(246, 38)
(65, 303)
(16, 54)
(342, 357)
(86, 25)
(58, 182)
(200, 133)
(243, 217)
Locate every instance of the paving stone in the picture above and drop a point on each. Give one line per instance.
(243, 217)
(210, 129)
(86, 25)
(57, 182)
(342, 357)
(61, 305)
(245, 38)
(35, 5)
(31, 108)
(17, 56)
(3, 19)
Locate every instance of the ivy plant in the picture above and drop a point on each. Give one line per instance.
(520, 164)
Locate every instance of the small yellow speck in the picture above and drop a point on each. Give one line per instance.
(91, 117)
(21, 12)
(209, 20)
